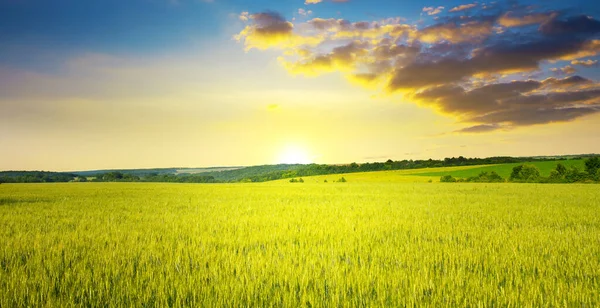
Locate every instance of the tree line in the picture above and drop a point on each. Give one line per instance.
(286, 171)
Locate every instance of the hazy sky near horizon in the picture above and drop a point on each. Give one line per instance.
(190, 83)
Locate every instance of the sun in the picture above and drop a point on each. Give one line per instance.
(294, 155)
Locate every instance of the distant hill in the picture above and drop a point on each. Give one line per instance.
(157, 171)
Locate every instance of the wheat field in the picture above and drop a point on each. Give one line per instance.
(313, 244)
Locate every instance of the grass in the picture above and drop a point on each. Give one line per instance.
(503, 170)
(374, 242)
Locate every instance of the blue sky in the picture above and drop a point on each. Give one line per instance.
(91, 84)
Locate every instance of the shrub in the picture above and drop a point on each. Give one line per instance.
(447, 179)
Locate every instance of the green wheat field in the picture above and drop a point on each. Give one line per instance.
(382, 239)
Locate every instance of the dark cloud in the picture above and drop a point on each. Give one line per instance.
(462, 64)
(485, 99)
(531, 116)
(498, 58)
(578, 25)
(515, 103)
(483, 128)
(392, 51)
(271, 23)
(329, 24)
(566, 82)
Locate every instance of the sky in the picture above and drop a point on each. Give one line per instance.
(113, 84)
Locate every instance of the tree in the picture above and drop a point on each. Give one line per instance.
(573, 175)
(525, 173)
(516, 173)
(561, 169)
(592, 165)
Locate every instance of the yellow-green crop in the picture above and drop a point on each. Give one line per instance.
(309, 244)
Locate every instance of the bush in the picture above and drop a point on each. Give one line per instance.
(342, 180)
(447, 179)
(491, 177)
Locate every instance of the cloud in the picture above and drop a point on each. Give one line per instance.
(571, 82)
(433, 10)
(463, 7)
(586, 63)
(307, 2)
(567, 70)
(586, 49)
(451, 32)
(574, 25)
(469, 67)
(304, 12)
(510, 20)
(516, 103)
(482, 128)
(244, 16)
(270, 29)
(342, 58)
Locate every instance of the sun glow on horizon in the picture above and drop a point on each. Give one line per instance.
(294, 155)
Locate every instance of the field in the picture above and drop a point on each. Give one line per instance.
(376, 240)
(503, 170)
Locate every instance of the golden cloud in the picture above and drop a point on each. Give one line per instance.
(467, 32)
(463, 7)
(269, 29)
(510, 20)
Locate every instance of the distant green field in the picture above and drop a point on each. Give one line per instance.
(503, 170)
(373, 241)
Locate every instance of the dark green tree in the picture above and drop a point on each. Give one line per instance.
(592, 165)
(525, 173)
(561, 169)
